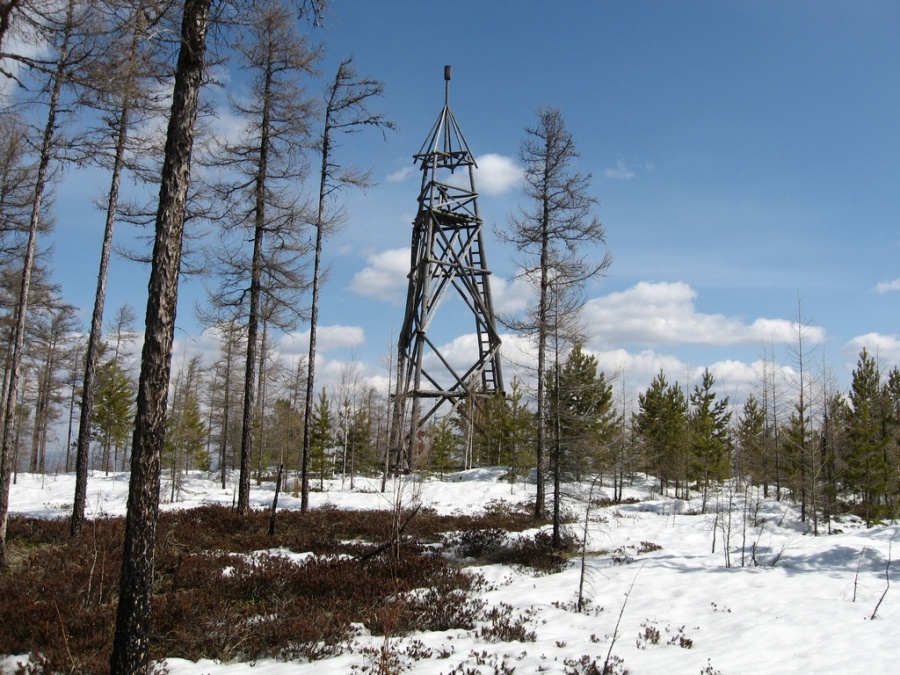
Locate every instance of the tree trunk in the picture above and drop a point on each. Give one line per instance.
(313, 324)
(131, 645)
(223, 443)
(93, 346)
(27, 265)
(6, 12)
(243, 504)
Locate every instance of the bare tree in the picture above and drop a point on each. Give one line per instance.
(556, 234)
(346, 111)
(64, 33)
(263, 169)
(54, 330)
(120, 81)
(131, 643)
(224, 398)
(803, 451)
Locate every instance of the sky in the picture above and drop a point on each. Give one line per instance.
(745, 156)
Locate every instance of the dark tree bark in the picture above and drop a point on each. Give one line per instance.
(131, 646)
(7, 9)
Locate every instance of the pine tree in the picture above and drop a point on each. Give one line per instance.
(113, 409)
(285, 428)
(518, 423)
(751, 426)
(661, 422)
(867, 441)
(322, 438)
(587, 417)
(709, 438)
(442, 446)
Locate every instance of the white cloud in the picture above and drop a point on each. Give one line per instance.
(510, 298)
(734, 379)
(888, 286)
(665, 313)
(328, 339)
(384, 277)
(496, 174)
(886, 348)
(400, 175)
(639, 367)
(620, 172)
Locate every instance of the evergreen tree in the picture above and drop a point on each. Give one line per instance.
(516, 422)
(891, 398)
(322, 437)
(867, 441)
(835, 424)
(113, 409)
(587, 418)
(709, 439)
(185, 443)
(661, 422)
(285, 429)
(361, 452)
(751, 426)
(442, 444)
(797, 438)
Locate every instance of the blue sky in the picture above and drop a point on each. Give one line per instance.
(746, 157)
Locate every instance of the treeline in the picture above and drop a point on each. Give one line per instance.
(797, 438)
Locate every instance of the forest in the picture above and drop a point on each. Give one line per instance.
(117, 84)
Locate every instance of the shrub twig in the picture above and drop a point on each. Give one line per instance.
(887, 579)
(615, 635)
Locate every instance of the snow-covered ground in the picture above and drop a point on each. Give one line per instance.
(805, 608)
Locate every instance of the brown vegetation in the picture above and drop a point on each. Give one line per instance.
(214, 598)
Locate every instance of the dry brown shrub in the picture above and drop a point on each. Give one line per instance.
(213, 599)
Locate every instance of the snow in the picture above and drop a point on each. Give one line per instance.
(806, 607)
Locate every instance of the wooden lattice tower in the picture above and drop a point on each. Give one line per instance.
(447, 253)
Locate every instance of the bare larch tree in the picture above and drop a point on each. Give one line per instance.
(557, 234)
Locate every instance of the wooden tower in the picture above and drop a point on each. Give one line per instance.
(447, 254)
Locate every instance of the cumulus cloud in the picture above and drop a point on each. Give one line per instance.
(496, 174)
(384, 277)
(510, 297)
(885, 347)
(635, 370)
(665, 314)
(888, 286)
(328, 339)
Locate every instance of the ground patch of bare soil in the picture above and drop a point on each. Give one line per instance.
(214, 598)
